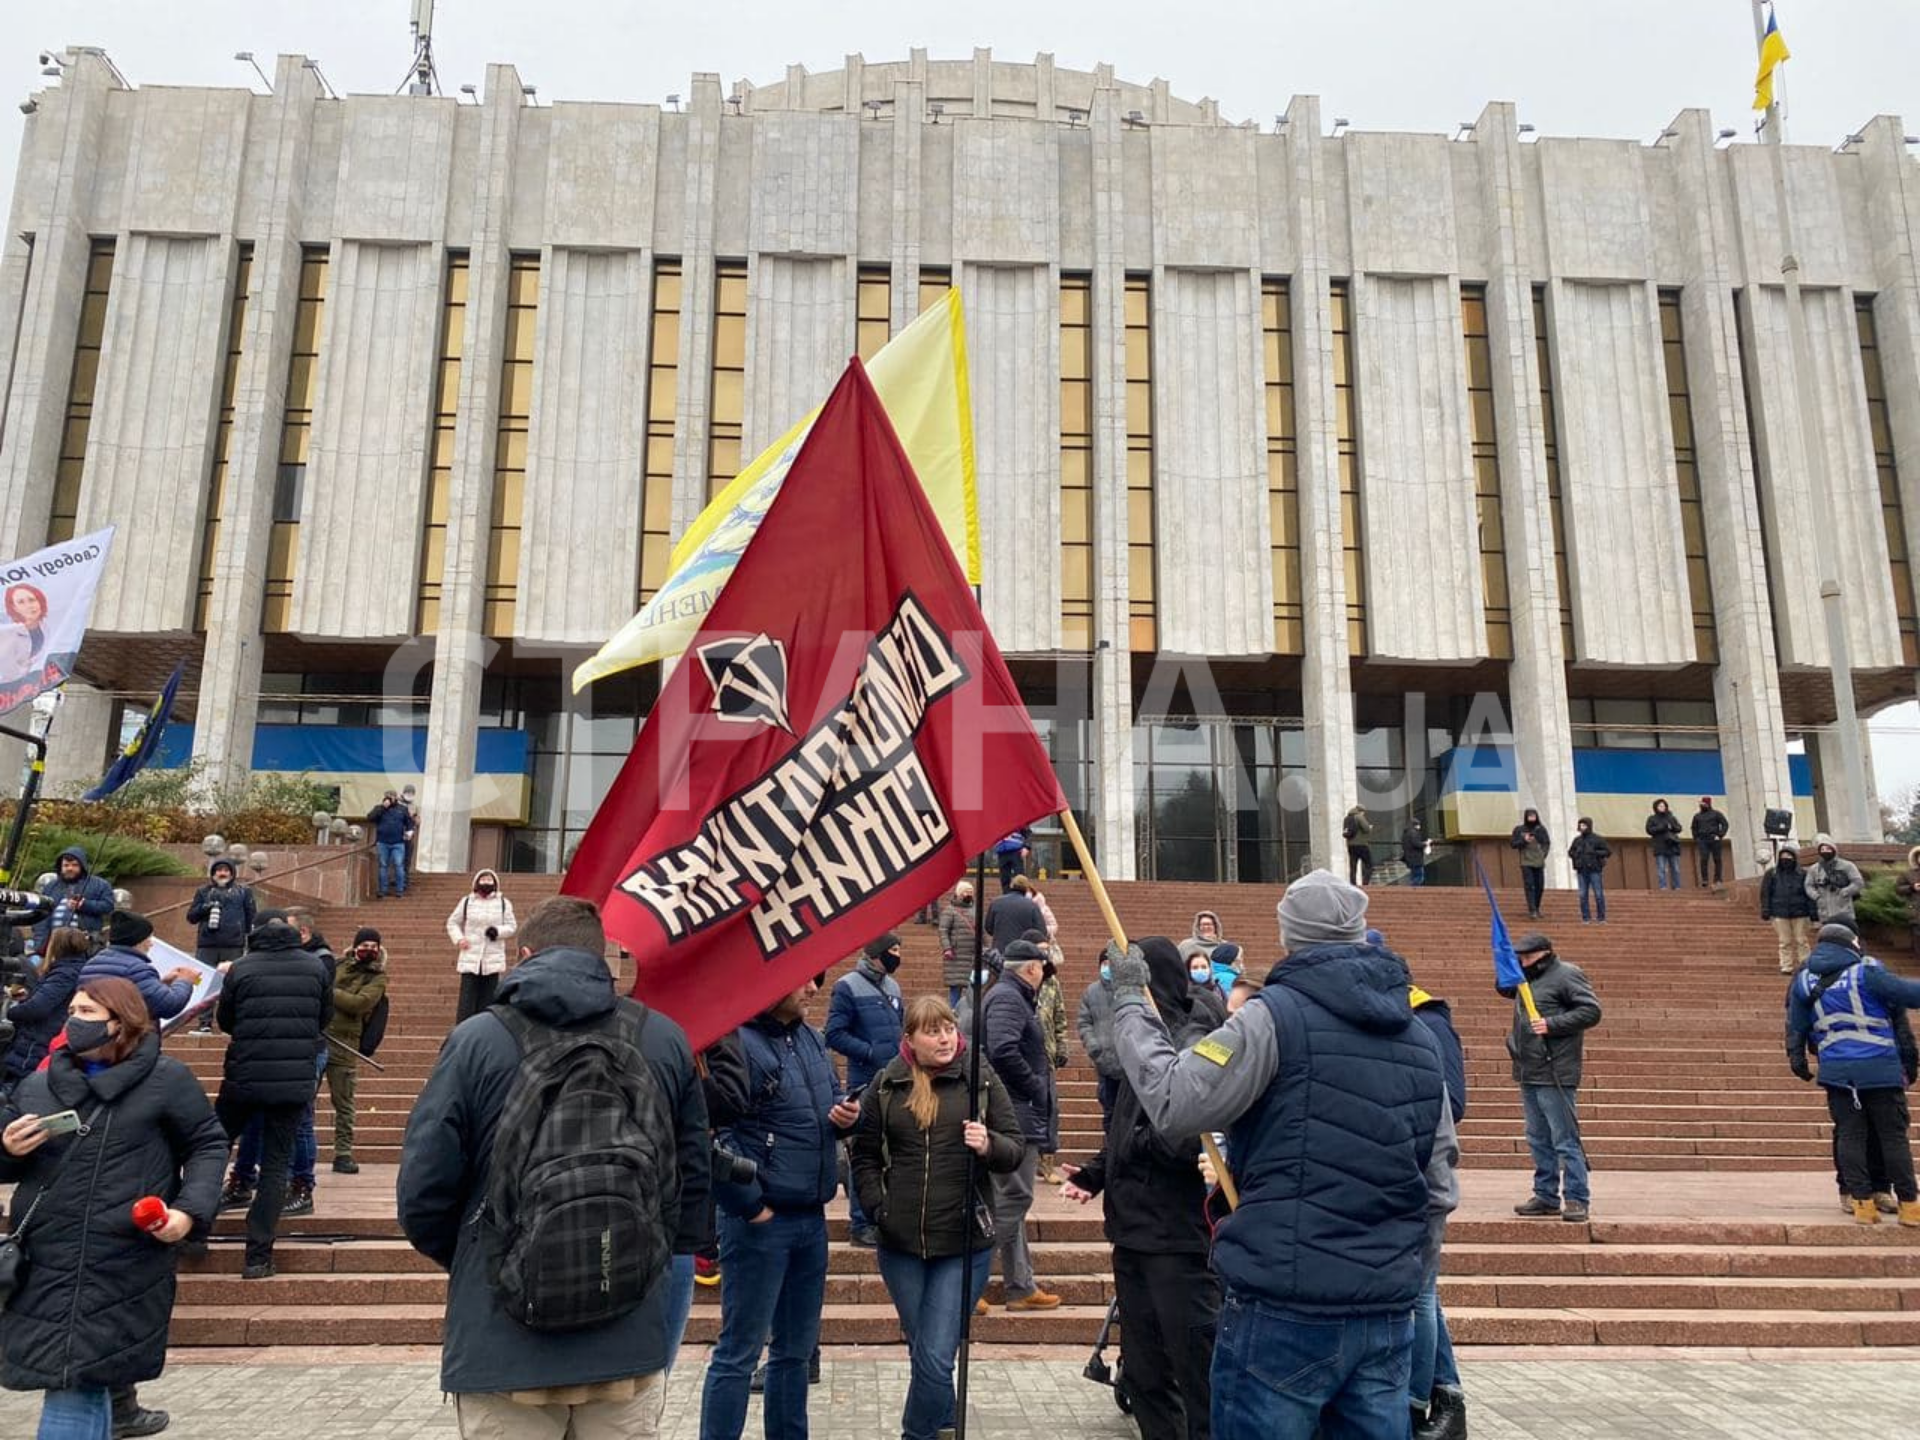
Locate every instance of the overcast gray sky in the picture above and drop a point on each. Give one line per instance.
(1596, 67)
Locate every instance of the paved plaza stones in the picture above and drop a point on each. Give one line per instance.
(1547, 1396)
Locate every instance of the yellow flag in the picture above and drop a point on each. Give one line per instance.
(1773, 49)
(921, 378)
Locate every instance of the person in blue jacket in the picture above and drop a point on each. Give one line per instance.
(1847, 1006)
(865, 1019)
(41, 1014)
(773, 1228)
(80, 898)
(129, 938)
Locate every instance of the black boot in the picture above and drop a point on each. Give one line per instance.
(1446, 1416)
(130, 1419)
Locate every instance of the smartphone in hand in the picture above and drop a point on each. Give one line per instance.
(61, 1122)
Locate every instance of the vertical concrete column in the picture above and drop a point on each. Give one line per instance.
(1746, 682)
(67, 132)
(1326, 670)
(1537, 678)
(79, 740)
(460, 647)
(692, 404)
(1112, 700)
(1893, 219)
(229, 701)
(909, 113)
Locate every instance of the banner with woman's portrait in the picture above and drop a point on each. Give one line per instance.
(45, 599)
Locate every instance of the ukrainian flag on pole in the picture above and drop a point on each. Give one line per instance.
(1773, 50)
(920, 377)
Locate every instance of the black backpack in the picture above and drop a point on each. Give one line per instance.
(583, 1193)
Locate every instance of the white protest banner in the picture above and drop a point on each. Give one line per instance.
(206, 984)
(46, 598)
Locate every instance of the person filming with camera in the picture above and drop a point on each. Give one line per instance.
(479, 927)
(1833, 884)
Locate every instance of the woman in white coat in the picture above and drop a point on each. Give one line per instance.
(479, 927)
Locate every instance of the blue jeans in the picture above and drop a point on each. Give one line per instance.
(927, 1295)
(1280, 1375)
(679, 1305)
(1433, 1362)
(306, 1150)
(76, 1415)
(1416, 874)
(1666, 871)
(773, 1281)
(394, 855)
(1553, 1136)
(1592, 883)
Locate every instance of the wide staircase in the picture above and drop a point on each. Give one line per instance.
(1709, 1155)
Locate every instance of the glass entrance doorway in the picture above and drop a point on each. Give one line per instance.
(1222, 800)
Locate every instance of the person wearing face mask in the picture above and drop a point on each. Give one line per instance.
(959, 949)
(1663, 829)
(1050, 1004)
(1546, 1066)
(1833, 884)
(914, 1151)
(1534, 844)
(1784, 901)
(1709, 831)
(1016, 1044)
(1094, 1022)
(359, 986)
(91, 1312)
(1589, 854)
(479, 928)
(1207, 1001)
(864, 1024)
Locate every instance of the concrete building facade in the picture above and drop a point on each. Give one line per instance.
(1440, 474)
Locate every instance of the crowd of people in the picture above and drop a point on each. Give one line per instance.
(578, 1169)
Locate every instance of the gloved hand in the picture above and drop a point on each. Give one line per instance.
(493, 932)
(1129, 971)
(1800, 1066)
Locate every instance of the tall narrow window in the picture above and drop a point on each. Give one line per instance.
(663, 395)
(935, 281)
(1686, 474)
(726, 414)
(1283, 471)
(1550, 425)
(1347, 434)
(446, 409)
(1486, 471)
(1891, 512)
(223, 436)
(510, 448)
(1076, 463)
(296, 433)
(1142, 630)
(86, 372)
(873, 310)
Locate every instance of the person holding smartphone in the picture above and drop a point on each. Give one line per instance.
(109, 1121)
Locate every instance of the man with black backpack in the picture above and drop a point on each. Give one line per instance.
(554, 1164)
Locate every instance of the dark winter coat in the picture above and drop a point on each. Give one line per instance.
(1152, 1194)
(1095, 1026)
(959, 951)
(1534, 844)
(276, 1003)
(1567, 1003)
(779, 1120)
(913, 1181)
(1413, 847)
(1437, 1016)
(1663, 828)
(164, 1001)
(88, 899)
(1011, 916)
(358, 989)
(1709, 826)
(1017, 1045)
(1783, 892)
(864, 1021)
(1589, 853)
(444, 1169)
(99, 1293)
(237, 910)
(39, 1017)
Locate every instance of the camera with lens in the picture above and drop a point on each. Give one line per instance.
(732, 1169)
(213, 916)
(493, 932)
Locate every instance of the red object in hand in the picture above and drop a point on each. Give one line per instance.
(150, 1214)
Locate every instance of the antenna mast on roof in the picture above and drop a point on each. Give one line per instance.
(423, 82)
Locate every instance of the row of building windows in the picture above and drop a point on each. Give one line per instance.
(873, 321)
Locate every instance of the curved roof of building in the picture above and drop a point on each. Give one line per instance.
(980, 85)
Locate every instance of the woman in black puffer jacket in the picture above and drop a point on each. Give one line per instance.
(93, 1308)
(38, 1016)
(910, 1162)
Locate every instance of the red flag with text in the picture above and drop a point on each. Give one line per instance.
(835, 745)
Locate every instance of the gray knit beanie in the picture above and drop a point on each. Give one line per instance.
(1322, 909)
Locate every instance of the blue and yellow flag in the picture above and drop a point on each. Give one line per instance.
(1773, 50)
(921, 378)
(139, 750)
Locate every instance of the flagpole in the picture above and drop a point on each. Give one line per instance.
(1119, 934)
(974, 1050)
(1853, 810)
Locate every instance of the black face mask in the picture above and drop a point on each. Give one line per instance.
(1532, 971)
(483, 890)
(86, 1035)
(368, 953)
(890, 961)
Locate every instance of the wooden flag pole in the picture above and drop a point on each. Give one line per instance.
(1119, 934)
